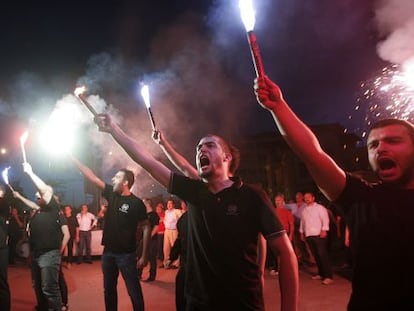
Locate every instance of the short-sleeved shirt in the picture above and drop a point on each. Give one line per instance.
(45, 228)
(154, 220)
(285, 216)
(380, 218)
(223, 231)
(72, 225)
(122, 216)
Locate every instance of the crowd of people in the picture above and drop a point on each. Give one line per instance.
(52, 250)
(231, 227)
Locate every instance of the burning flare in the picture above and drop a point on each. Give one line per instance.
(23, 139)
(79, 94)
(247, 14)
(145, 95)
(80, 90)
(5, 175)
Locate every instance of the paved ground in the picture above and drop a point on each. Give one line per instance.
(86, 294)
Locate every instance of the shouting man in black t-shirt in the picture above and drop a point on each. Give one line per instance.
(225, 217)
(379, 215)
(123, 214)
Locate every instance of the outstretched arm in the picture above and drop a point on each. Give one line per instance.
(26, 201)
(288, 275)
(87, 172)
(329, 177)
(146, 238)
(66, 236)
(175, 158)
(141, 156)
(44, 189)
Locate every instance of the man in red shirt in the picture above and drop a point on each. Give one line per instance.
(286, 218)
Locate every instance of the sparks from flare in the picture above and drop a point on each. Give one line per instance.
(146, 96)
(247, 15)
(387, 95)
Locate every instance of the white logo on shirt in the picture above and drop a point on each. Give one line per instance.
(124, 208)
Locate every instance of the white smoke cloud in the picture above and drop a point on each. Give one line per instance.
(395, 20)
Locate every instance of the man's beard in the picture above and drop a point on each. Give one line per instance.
(205, 174)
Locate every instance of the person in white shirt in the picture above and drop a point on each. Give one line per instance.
(170, 234)
(87, 221)
(314, 227)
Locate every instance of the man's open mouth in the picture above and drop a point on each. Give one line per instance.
(204, 161)
(386, 164)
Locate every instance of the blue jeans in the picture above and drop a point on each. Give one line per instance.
(112, 263)
(45, 280)
(85, 240)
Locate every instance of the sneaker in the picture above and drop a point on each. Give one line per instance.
(150, 279)
(327, 281)
(317, 277)
(274, 272)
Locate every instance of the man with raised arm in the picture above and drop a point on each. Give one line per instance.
(48, 235)
(122, 216)
(379, 215)
(225, 217)
(190, 171)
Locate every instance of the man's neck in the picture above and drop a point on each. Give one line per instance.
(125, 192)
(216, 185)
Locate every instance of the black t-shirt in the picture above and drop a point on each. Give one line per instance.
(121, 220)
(154, 220)
(72, 225)
(223, 231)
(380, 219)
(179, 248)
(45, 232)
(4, 214)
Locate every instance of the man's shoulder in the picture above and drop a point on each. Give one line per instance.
(254, 193)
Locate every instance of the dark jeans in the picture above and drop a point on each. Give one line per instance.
(4, 285)
(45, 280)
(126, 263)
(13, 240)
(160, 246)
(85, 240)
(63, 287)
(319, 249)
(69, 246)
(152, 257)
(179, 289)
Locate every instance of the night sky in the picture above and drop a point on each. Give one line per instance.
(195, 56)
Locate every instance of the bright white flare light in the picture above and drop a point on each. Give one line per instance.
(247, 14)
(145, 95)
(23, 139)
(79, 90)
(5, 175)
(58, 135)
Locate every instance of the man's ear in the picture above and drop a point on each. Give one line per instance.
(228, 157)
